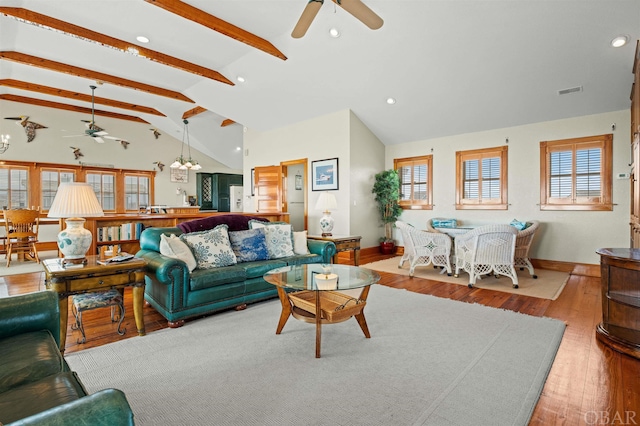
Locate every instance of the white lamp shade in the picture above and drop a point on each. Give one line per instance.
(75, 199)
(326, 201)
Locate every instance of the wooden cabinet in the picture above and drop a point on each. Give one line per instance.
(620, 278)
(213, 190)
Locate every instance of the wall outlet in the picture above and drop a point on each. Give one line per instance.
(623, 175)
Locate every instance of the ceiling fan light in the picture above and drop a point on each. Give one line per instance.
(188, 164)
(196, 167)
(176, 164)
(183, 167)
(619, 41)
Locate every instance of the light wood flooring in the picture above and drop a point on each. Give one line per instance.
(589, 384)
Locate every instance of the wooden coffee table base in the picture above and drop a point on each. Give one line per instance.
(289, 309)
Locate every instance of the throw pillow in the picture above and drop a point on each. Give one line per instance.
(172, 246)
(519, 225)
(249, 245)
(211, 248)
(300, 242)
(279, 238)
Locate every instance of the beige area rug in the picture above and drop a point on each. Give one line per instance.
(25, 267)
(548, 285)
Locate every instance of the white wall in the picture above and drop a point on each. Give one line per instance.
(367, 159)
(316, 139)
(569, 236)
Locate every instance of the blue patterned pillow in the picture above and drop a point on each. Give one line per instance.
(519, 225)
(211, 248)
(279, 238)
(444, 223)
(249, 245)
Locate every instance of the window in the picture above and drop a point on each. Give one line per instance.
(50, 179)
(136, 192)
(14, 187)
(575, 174)
(103, 184)
(481, 179)
(416, 182)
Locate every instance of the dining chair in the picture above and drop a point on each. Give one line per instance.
(422, 248)
(487, 249)
(523, 244)
(21, 227)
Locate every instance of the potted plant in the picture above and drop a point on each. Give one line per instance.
(387, 193)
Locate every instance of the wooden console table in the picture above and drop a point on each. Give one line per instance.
(620, 278)
(351, 243)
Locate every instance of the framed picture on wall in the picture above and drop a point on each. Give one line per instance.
(324, 175)
(179, 176)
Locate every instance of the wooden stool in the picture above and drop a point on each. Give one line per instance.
(100, 299)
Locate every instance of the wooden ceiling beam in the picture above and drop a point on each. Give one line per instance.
(227, 122)
(194, 111)
(39, 88)
(23, 58)
(106, 40)
(223, 27)
(67, 107)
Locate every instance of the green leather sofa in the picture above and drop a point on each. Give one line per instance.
(36, 384)
(178, 294)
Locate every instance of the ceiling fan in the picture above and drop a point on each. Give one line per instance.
(97, 133)
(354, 7)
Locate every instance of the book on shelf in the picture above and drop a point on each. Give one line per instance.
(125, 231)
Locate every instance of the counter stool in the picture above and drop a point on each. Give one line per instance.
(100, 299)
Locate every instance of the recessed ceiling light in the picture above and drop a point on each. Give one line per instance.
(333, 32)
(391, 101)
(619, 41)
(240, 79)
(142, 39)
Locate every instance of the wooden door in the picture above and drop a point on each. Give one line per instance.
(268, 189)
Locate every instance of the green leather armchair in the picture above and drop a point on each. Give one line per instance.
(36, 384)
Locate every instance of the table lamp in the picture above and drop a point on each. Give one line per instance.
(74, 201)
(326, 201)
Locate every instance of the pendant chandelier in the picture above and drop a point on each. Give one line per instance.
(181, 162)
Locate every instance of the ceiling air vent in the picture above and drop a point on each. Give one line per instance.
(570, 90)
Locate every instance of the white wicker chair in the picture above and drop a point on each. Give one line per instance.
(523, 243)
(487, 249)
(423, 248)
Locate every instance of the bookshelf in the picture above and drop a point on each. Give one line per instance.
(125, 229)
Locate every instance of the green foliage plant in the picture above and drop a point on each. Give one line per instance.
(387, 194)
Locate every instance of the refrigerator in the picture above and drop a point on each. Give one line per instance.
(235, 198)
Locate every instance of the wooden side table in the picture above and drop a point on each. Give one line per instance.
(95, 277)
(349, 243)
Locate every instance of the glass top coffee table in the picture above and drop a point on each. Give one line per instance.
(305, 290)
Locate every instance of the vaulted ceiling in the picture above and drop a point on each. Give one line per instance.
(453, 66)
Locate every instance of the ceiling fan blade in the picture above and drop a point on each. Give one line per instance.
(361, 12)
(98, 139)
(72, 136)
(100, 133)
(308, 14)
